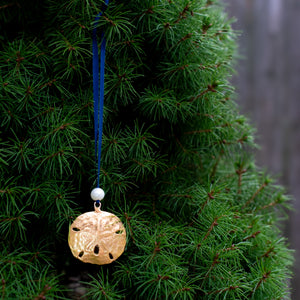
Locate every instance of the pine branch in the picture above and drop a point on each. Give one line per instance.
(256, 193)
(265, 276)
(129, 226)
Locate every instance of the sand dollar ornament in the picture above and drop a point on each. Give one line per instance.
(97, 237)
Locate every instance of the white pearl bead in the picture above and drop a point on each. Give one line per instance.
(97, 194)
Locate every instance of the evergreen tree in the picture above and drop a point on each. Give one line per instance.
(202, 220)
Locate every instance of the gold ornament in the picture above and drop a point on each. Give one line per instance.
(97, 237)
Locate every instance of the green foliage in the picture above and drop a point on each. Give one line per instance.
(27, 275)
(202, 220)
(101, 288)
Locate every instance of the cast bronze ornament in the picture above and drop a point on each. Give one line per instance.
(97, 237)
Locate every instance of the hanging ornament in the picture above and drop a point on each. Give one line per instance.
(97, 237)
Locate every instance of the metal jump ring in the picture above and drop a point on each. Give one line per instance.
(97, 206)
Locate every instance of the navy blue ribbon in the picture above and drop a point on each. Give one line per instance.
(98, 91)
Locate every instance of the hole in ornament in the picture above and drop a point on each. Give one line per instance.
(119, 232)
(75, 229)
(96, 249)
(81, 254)
(111, 256)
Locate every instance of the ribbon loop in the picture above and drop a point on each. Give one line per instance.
(98, 91)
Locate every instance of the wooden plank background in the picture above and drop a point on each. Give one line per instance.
(268, 86)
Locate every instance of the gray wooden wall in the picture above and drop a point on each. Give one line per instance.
(268, 86)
